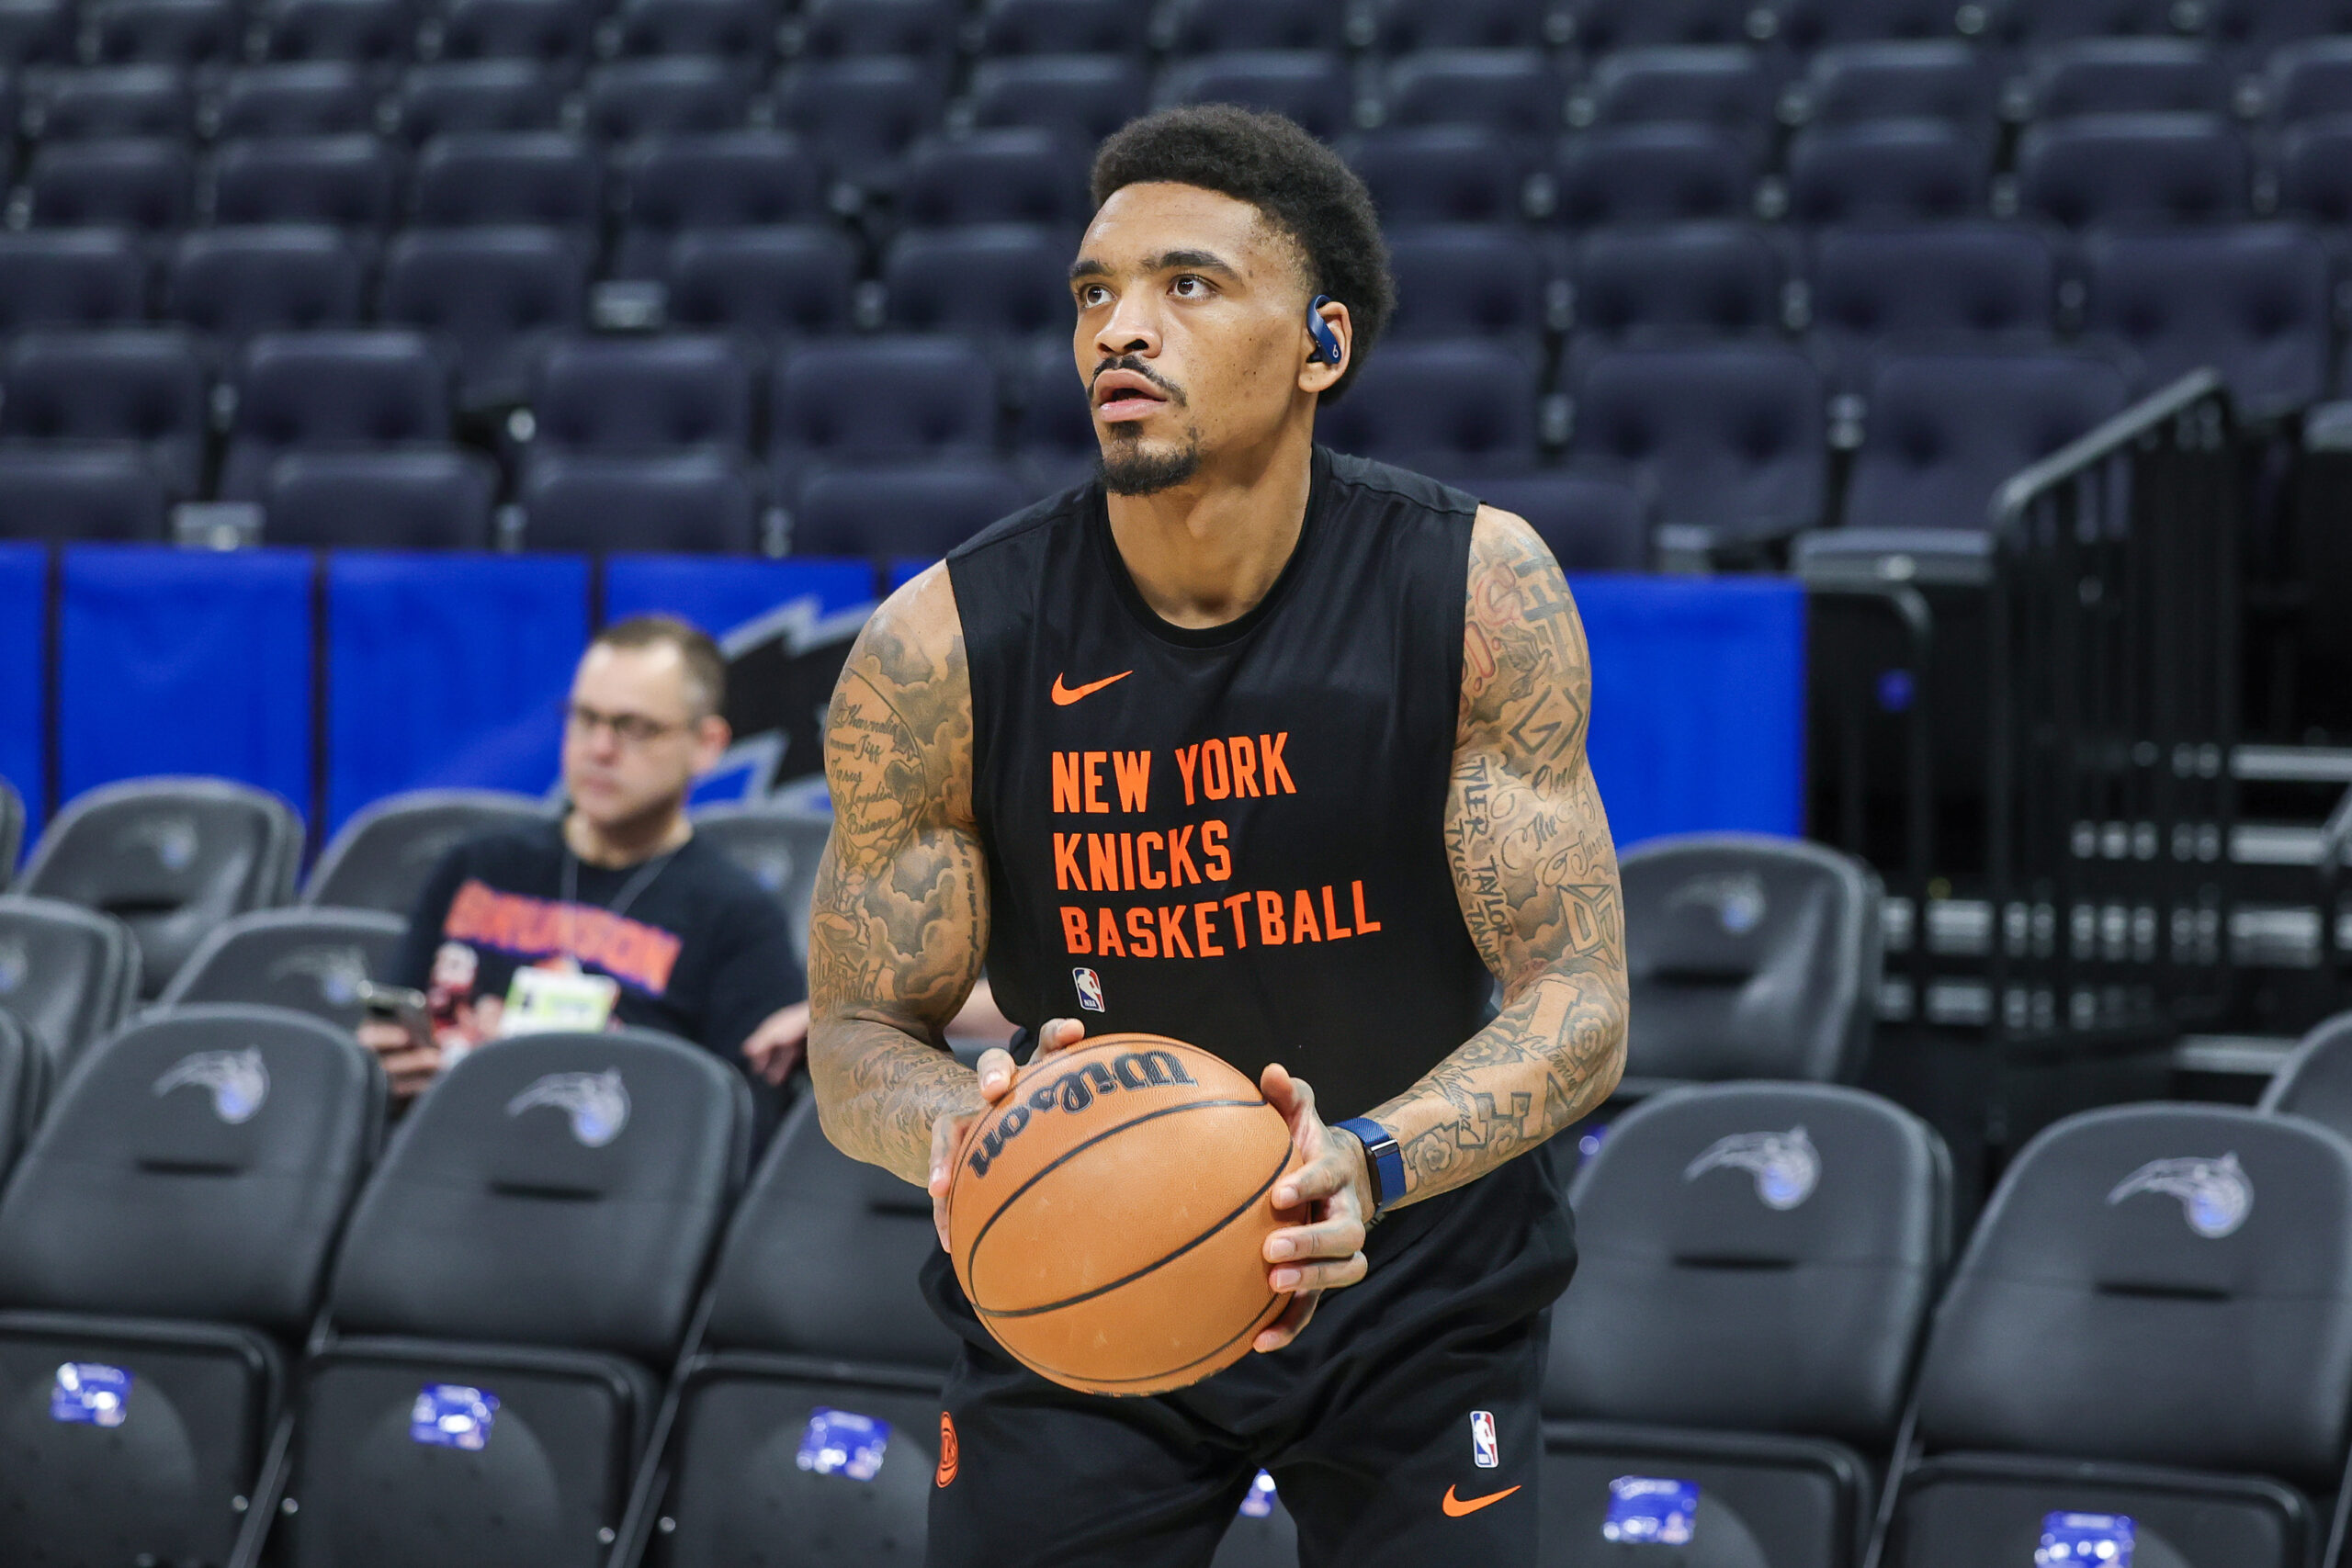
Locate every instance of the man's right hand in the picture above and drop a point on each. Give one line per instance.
(409, 1063)
(995, 1073)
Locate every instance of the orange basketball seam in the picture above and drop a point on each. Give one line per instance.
(1263, 1316)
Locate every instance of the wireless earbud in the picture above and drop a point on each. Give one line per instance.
(1326, 341)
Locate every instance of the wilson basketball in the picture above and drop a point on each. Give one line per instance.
(1108, 1215)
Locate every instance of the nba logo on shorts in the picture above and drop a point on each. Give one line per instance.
(1090, 988)
(1482, 1439)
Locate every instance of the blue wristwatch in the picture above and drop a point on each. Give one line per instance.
(1382, 1156)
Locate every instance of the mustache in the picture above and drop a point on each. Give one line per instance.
(1129, 362)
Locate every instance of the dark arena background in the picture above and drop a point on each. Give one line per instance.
(1934, 405)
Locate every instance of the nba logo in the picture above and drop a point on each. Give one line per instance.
(1482, 1439)
(1089, 989)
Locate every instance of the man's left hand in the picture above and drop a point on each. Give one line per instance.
(776, 1047)
(1328, 1197)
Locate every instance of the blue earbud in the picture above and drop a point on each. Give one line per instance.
(1326, 341)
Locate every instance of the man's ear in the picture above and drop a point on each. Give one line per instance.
(712, 737)
(1315, 375)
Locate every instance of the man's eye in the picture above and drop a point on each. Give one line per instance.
(1093, 294)
(1191, 287)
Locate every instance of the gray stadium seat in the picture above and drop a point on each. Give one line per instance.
(1975, 285)
(702, 501)
(234, 283)
(11, 831)
(349, 389)
(382, 857)
(1749, 957)
(69, 493)
(69, 976)
(512, 1286)
(1590, 523)
(131, 389)
(2316, 1081)
(2251, 300)
(171, 858)
(312, 961)
(435, 498)
(162, 1244)
(24, 1077)
(71, 278)
(2133, 168)
(1720, 1230)
(1922, 77)
(778, 846)
(2153, 1320)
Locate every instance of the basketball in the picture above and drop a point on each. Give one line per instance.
(1107, 1216)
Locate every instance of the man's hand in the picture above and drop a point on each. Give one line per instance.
(411, 1064)
(949, 1132)
(776, 1047)
(1326, 1197)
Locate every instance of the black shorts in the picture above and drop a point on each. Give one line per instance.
(1402, 1427)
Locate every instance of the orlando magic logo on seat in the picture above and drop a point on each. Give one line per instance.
(2215, 1195)
(1785, 1165)
(1737, 900)
(172, 839)
(238, 1081)
(597, 1103)
(339, 971)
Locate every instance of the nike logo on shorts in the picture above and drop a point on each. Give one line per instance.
(1458, 1507)
(1065, 695)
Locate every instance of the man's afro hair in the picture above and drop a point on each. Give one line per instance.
(1301, 186)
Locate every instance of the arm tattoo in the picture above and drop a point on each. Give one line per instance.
(899, 919)
(1536, 873)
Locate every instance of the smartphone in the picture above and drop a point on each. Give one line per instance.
(396, 1004)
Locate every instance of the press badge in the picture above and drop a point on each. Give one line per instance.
(558, 1001)
(2084, 1541)
(1643, 1508)
(841, 1442)
(89, 1394)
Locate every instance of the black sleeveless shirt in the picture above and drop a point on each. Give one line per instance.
(1232, 836)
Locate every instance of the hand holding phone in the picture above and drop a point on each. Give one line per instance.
(394, 1025)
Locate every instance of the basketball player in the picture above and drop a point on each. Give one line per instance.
(1281, 753)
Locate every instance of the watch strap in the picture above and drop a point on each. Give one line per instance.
(1385, 1160)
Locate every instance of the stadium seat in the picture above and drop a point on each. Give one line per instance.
(67, 973)
(1727, 439)
(1984, 284)
(1445, 174)
(1604, 26)
(1718, 1229)
(438, 498)
(1400, 27)
(642, 396)
(666, 95)
(1463, 281)
(1654, 173)
(814, 1308)
(2172, 168)
(1017, 175)
(1010, 28)
(234, 283)
(35, 32)
(162, 1245)
(346, 181)
(1083, 97)
(69, 278)
(80, 493)
(382, 857)
(1807, 26)
(1454, 410)
(2250, 300)
(1945, 431)
(1589, 525)
(11, 831)
(762, 283)
(1720, 85)
(1887, 171)
(1510, 92)
(161, 32)
(1749, 957)
(1222, 27)
(2315, 1082)
(700, 503)
(1308, 86)
(169, 857)
(111, 101)
(2316, 171)
(2129, 75)
(2037, 24)
(325, 389)
(135, 182)
(985, 281)
(881, 401)
(142, 388)
(2249, 29)
(925, 30)
(24, 1077)
(779, 847)
(512, 1283)
(491, 297)
(736, 179)
(477, 98)
(910, 510)
(1054, 426)
(1940, 79)
(552, 33)
(864, 113)
(2311, 80)
(742, 32)
(378, 34)
(544, 177)
(309, 961)
(311, 98)
(2153, 1320)
(1711, 279)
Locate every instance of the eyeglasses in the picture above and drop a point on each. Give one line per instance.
(629, 728)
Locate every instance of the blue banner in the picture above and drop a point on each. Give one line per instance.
(1697, 703)
(177, 662)
(447, 670)
(24, 626)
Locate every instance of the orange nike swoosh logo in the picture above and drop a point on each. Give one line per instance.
(1455, 1507)
(1065, 695)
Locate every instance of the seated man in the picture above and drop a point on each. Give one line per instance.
(616, 914)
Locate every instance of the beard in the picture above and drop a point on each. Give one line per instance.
(1129, 468)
